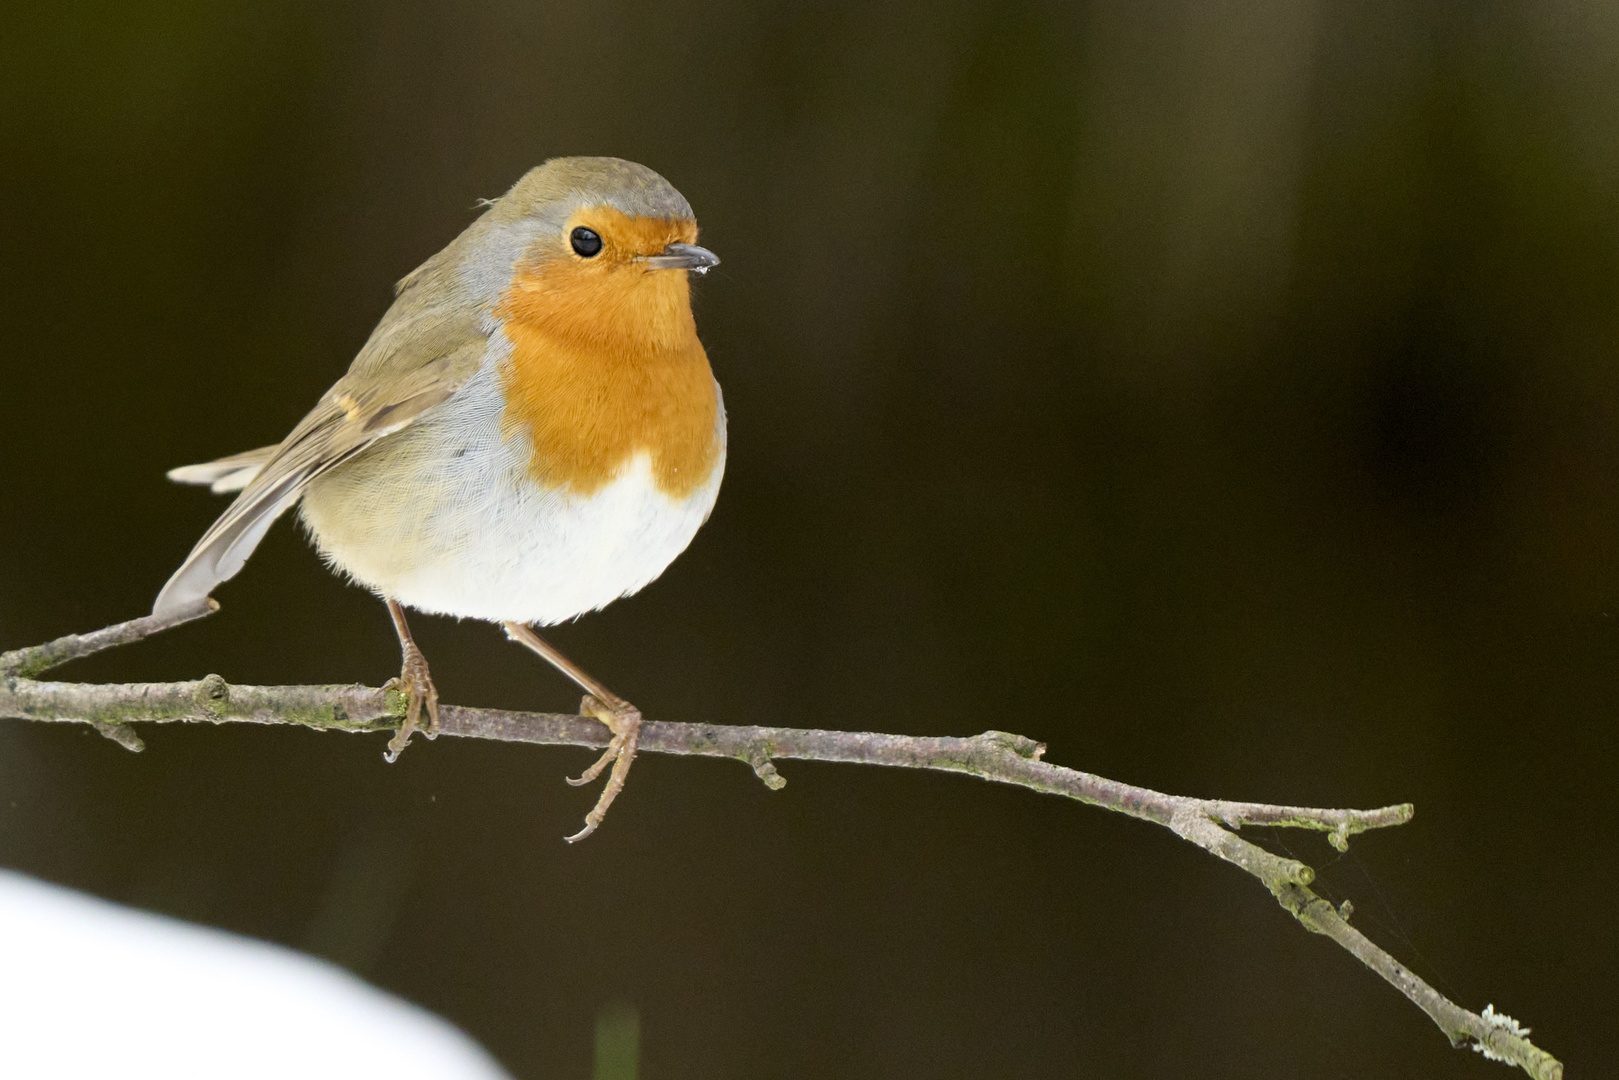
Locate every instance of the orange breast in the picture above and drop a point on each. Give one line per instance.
(606, 365)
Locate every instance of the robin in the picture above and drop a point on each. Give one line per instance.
(531, 432)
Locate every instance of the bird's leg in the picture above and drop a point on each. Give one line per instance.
(620, 717)
(413, 681)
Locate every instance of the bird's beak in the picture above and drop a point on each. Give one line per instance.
(683, 257)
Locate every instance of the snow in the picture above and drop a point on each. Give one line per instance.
(89, 988)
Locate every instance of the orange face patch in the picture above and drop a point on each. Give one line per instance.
(606, 363)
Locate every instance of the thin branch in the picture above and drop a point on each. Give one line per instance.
(41, 658)
(996, 756)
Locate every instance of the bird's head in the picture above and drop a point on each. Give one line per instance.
(608, 247)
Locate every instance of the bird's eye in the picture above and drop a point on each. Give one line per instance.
(585, 242)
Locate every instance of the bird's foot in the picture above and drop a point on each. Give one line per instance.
(415, 682)
(624, 721)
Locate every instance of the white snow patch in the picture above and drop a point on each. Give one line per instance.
(92, 989)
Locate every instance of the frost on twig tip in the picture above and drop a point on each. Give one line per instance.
(1501, 1022)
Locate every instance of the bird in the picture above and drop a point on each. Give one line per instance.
(531, 432)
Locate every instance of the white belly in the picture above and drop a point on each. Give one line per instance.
(445, 517)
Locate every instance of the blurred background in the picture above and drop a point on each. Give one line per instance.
(1225, 395)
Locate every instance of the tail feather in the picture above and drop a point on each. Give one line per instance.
(223, 551)
(226, 475)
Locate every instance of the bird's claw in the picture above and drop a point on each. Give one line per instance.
(624, 721)
(414, 681)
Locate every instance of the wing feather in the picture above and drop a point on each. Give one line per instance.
(396, 378)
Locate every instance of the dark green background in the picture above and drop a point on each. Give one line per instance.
(1225, 395)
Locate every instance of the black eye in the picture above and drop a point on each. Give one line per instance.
(585, 241)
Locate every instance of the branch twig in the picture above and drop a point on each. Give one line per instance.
(996, 756)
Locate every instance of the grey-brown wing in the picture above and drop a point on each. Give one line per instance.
(381, 395)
